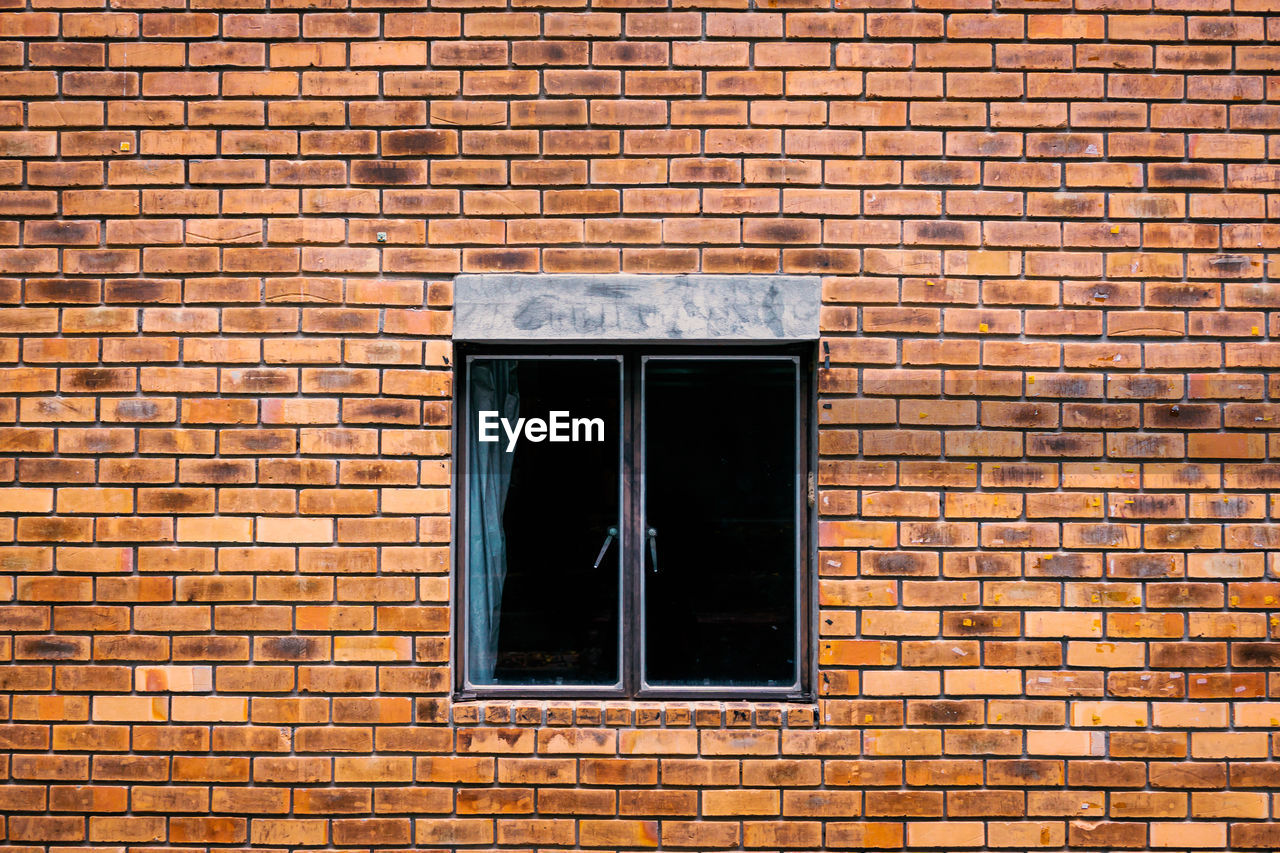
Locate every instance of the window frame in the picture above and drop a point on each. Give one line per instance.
(631, 562)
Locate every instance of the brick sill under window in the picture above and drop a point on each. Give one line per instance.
(622, 713)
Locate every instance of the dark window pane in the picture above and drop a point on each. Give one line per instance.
(720, 494)
(538, 514)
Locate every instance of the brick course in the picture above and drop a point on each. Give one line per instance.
(1046, 566)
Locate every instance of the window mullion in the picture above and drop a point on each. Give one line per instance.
(632, 556)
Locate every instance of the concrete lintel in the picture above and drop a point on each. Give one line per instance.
(583, 308)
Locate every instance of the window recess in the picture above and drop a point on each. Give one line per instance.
(651, 539)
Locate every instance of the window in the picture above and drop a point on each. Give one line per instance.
(633, 521)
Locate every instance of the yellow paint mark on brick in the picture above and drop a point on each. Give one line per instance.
(982, 327)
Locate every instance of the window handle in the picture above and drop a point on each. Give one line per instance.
(604, 549)
(653, 549)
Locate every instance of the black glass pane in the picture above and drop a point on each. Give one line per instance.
(720, 502)
(540, 509)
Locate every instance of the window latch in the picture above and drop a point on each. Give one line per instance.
(653, 549)
(604, 549)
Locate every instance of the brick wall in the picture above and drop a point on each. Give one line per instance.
(1047, 426)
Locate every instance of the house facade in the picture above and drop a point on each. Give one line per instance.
(776, 425)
